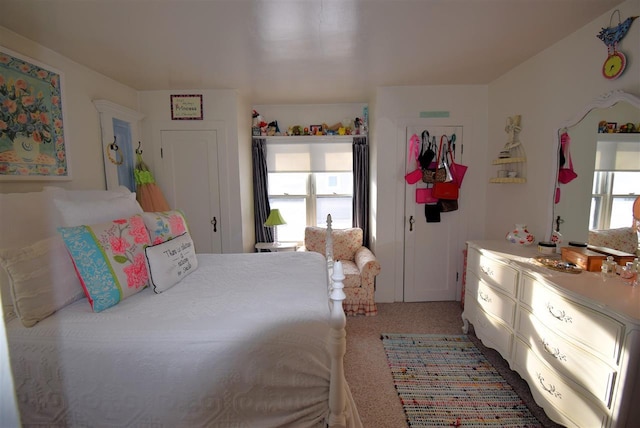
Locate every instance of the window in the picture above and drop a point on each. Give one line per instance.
(307, 181)
(616, 181)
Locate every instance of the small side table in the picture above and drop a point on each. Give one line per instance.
(282, 246)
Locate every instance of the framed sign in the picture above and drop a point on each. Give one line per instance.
(32, 138)
(186, 107)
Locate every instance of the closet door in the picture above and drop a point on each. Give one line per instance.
(190, 162)
(430, 249)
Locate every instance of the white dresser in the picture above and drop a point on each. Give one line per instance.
(575, 338)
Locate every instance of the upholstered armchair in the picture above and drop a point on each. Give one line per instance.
(359, 264)
(623, 238)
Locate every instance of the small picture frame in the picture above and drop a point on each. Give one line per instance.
(315, 129)
(186, 107)
(612, 127)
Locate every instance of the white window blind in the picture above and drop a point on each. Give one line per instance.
(618, 152)
(302, 156)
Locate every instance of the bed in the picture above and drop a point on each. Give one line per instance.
(252, 340)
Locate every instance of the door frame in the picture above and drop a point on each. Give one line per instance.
(156, 128)
(108, 111)
(402, 220)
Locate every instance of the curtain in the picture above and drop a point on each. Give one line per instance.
(361, 186)
(261, 206)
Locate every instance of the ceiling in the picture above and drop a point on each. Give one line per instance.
(299, 51)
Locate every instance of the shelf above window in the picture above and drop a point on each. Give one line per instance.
(507, 180)
(311, 138)
(508, 160)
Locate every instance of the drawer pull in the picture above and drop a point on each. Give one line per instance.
(484, 296)
(551, 389)
(486, 270)
(559, 314)
(554, 352)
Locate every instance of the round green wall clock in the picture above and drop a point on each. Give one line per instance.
(614, 65)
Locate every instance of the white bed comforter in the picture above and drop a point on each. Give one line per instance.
(242, 341)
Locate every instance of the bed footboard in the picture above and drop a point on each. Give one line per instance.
(338, 339)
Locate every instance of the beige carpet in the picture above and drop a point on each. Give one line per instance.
(366, 364)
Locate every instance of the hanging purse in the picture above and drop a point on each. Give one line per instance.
(414, 149)
(566, 174)
(448, 190)
(438, 170)
(426, 154)
(457, 170)
(425, 196)
(445, 189)
(448, 205)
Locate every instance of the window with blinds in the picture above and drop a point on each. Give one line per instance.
(616, 180)
(308, 180)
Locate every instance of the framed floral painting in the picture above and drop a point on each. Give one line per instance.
(32, 139)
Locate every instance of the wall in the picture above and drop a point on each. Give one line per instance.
(81, 120)
(395, 109)
(547, 90)
(221, 111)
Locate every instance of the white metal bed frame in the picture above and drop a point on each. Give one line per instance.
(338, 340)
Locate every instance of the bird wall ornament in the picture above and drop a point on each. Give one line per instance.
(616, 61)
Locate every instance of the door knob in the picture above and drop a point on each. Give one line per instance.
(214, 222)
(411, 221)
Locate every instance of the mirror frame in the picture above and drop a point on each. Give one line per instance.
(602, 102)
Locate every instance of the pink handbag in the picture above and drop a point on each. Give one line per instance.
(425, 196)
(566, 175)
(414, 176)
(414, 152)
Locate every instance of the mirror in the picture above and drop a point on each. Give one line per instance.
(575, 204)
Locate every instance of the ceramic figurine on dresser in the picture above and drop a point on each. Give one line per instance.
(520, 235)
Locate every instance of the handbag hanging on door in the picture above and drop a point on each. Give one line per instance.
(566, 174)
(447, 189)
(414, 152)
(457, 170)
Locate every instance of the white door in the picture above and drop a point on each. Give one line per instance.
(431, 250)
(190, 162)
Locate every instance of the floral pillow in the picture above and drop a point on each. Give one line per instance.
(165, 225)
(109, 259)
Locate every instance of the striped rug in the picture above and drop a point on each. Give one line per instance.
(444, 380)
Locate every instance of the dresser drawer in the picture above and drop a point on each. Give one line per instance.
(572, 403)
(491, 300)
(587, 370)
(493, 271)
(594, 331)
(493, 333)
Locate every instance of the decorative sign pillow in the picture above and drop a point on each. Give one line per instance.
(42, 279)
(109, 259)
(165, 225)
(170, 262)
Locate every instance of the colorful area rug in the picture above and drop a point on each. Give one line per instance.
(445, 380)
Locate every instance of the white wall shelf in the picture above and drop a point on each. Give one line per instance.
(311, 138)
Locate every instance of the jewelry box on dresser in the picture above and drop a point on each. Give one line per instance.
(574, 338)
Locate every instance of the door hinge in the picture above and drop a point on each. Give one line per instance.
(457, 276)
(161, 153)
(461, 149)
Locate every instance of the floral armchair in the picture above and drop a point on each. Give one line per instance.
(359, 264)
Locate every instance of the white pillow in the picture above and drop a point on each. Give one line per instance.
(170, 262)
(90, 195)
(76, 213)
(26, 218)
(42, 279)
